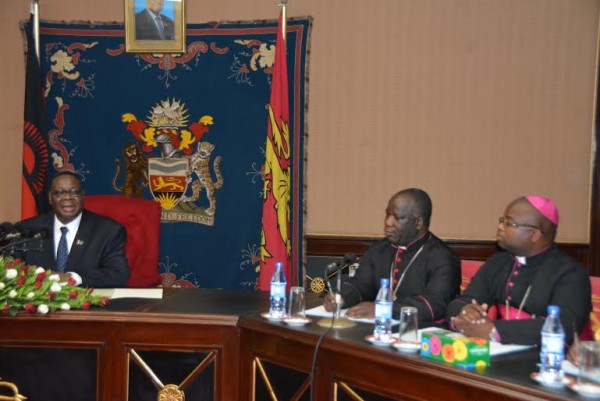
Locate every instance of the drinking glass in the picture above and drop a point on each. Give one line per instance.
(409, 326)
(297, 306)
(588, 382)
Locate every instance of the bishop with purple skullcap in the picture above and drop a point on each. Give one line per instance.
(545, 206)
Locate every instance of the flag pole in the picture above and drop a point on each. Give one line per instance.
(35, 11)
(283, 5)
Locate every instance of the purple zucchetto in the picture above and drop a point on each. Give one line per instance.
(545, 206)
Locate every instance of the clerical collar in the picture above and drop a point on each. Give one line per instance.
(420, 240)
(523, 260)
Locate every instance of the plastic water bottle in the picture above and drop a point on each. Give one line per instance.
(553, 348)
(383, 313)
(278, 283)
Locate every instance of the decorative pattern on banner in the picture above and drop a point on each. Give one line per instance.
(187, 131)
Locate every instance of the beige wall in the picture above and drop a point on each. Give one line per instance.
(475, 101)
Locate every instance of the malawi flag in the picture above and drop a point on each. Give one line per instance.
(35, 139)
(275, 236)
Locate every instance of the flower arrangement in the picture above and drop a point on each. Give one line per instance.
(37, 290)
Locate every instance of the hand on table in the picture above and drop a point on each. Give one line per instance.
(473, 320)
(364, 310)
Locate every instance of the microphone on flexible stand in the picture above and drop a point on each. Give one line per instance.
(332, 269)
(8, 231)
(21, 241)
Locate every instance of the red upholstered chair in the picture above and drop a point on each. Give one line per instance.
(593, 324)
(468, 268)
(141, 219)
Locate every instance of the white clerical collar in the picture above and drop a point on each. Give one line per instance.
(521, 259)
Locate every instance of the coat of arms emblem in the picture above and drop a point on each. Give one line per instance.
(181, 168)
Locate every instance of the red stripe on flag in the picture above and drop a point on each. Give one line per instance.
(275, 236)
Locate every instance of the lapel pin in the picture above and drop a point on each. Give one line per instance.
(79, 242)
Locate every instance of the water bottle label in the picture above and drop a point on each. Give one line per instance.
(383, 310)
(553, 344)
(278, 290)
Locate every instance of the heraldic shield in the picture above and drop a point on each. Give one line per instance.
(167, 180)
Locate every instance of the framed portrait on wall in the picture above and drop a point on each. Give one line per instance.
(155, 26)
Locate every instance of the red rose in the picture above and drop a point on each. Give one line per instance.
(21, 281)
(51, 295)
(86, 305)
(38, 284)
(31, 308)
(5, 309)
(40, 277)
(72, 294)
(72, 281)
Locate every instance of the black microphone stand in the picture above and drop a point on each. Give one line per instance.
(336, 321)
(22, 245)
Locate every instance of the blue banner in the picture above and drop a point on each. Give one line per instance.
(188, 131)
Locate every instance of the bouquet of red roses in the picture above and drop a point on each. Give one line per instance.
(37, 290)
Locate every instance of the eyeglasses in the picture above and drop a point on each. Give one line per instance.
(61, 193)
(507, 222)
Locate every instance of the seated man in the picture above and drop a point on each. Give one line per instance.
(82, 245)
(423, 271)
(530, 274)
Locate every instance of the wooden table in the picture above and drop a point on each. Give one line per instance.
(52, 355)
(215, 345)
(348, 367)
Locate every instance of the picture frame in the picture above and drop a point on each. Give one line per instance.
(155, 26)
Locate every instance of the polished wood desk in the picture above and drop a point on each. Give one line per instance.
(194, 325)
(348, 367)
(223, 333)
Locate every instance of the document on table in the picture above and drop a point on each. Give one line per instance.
(114, 293)
(320, 311)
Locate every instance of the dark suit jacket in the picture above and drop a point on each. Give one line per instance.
(97, 253)
(145, 27)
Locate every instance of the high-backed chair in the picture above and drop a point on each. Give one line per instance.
(468, 268)
(593, 324)
(141, 219)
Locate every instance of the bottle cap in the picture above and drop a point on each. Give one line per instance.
(385, 282)
(553, 310)
(278, 265)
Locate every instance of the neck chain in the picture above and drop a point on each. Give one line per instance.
(395, 290)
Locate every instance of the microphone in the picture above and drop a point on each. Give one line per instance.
(35, 233)
(8, 231)
(335, 267)
(22, 241)
(41, 234)
(335, 321)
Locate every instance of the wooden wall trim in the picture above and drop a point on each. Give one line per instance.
(318, 245)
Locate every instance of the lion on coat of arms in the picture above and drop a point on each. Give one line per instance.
(136, 176)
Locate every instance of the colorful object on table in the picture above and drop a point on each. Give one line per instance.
(35, 290)
(450, 347)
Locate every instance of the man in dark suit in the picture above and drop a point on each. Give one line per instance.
(150, 24)
(82, 245)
